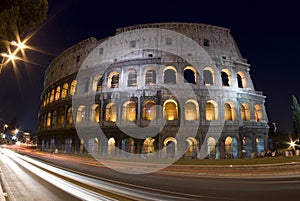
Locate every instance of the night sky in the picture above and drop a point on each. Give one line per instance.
(267, 34)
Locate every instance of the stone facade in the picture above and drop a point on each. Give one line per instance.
(131, 78)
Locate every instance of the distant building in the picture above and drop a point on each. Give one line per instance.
(127, 90)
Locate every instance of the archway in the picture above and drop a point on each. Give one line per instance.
(211, 148)
(231, 147)
(52, 145)
(170, 145)
(191, 110)
(170, 110)
(170, 76)
(149, 110)
(189, 74)
(260, 145)
(111, 147)
(127, 146)
(247, 147)
(148, 145)
(192, 148)
(68, 145)
(93, 145)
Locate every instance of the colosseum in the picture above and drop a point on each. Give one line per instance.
(179, 79)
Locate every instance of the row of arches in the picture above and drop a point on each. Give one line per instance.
(227, 148)
(60, 92)
(149, 112)
(170, 76)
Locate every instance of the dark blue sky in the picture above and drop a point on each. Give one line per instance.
(267, 33)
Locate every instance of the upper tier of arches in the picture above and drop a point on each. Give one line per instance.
(148, 76)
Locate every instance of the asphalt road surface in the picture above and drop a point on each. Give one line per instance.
(158, 186)
(19, 184)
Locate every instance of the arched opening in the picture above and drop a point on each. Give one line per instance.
(80, 116)
(229, 112)
(149, 145)
(111, 112)
(113, 80)
(260, 145)
(49, 119)
(192, 148)
(129, 111)
(132, 78)
(208, 76)
(48, 97)
(95, 113)
(68, 145)
(64, 91)
(52, 95)
(52, 145)
(211, 110)
(93, 145)
(211, 147)
(170, 76)
(57, 93)
(226, 77)
(241, 80)
(73, 87)
(149, 110)
(97, 83)
(170, 110)
(111, 146)
(127, 145)
(231, 149)
(257, 113)
(45, 100)
(150, 78)
(191, 110)
(189, 74)
(245, 112)
(247, 147)
(70, 116)
(170, 144)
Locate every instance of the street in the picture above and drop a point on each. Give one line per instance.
(119, 186)
(21, 184)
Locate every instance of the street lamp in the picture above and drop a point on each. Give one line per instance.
(292, 144)
(11, 56)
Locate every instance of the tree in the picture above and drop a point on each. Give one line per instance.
(18, 17)
(296, 115)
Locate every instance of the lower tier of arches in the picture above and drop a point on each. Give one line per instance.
(164, 145)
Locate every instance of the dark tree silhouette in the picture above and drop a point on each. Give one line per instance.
(18, 17)
(296, 115)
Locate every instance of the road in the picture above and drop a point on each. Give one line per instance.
(115, 185)
(18, 183)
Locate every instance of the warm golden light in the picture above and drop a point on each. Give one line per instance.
(292, 144)
(11, 57)
(20, 45)
(4, 54)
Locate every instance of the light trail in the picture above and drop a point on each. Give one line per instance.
(75, 190)
(129, 191)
